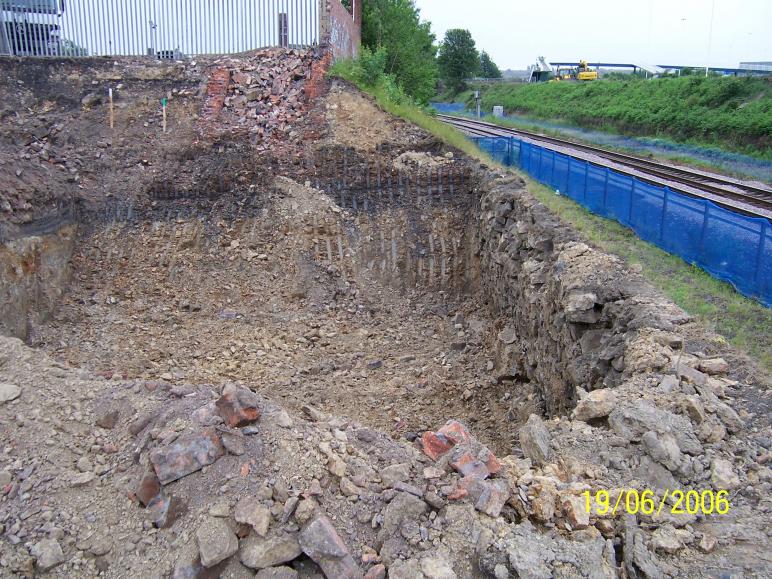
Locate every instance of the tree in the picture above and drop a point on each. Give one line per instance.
(396, 26)
(458, 58)
(488, 68)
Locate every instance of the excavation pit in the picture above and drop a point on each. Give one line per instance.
(344, 297)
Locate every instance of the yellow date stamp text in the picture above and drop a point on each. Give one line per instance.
(674, 502)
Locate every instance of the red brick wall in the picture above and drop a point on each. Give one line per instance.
(342, 31)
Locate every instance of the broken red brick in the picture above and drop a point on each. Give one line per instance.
(377, 572)
(456, 432)
(238, 406)
(214, 99)
(493, 497)
(457, 494)
(475, 460)
(492, 463)
(435, 444)
(148, 488)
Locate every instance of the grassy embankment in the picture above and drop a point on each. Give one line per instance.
(727, 112)
(394, 101)
(744, 323)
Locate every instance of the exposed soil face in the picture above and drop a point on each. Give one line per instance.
(302, 300)
(261, 335)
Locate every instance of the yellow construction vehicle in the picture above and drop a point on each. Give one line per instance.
(584, 72)
(564, 74)
(581, 72)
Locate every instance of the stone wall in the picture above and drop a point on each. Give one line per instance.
(573, 312)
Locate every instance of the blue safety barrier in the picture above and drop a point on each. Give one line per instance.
(730, 246)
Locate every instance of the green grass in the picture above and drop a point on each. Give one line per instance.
(732, 113)
(743, 322)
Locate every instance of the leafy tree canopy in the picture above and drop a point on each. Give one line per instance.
(395, 25)
(488, 68)
(458, 58)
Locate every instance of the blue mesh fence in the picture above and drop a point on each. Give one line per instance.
(732, 247)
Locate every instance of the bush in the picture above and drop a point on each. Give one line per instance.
(368, 72)
(371, 65)
(728, 111)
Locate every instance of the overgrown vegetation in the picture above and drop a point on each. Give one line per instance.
(395, 27)
(735, 113)
(410, 53)
(745, 323)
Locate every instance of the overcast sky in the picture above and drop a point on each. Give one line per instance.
(673, 32)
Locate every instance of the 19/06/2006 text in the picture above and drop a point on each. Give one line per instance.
(632, 501)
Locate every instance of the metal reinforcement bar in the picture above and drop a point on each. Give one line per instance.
(740, 196)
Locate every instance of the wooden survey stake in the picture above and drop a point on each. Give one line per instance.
(112, 110)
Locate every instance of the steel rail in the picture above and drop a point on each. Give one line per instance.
(747, 193)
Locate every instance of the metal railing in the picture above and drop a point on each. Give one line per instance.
(167, 29)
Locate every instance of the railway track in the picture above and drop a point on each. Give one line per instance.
(737, 195)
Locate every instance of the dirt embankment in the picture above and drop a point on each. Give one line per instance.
(338, 349)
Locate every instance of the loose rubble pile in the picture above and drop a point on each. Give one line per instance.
(262, 94)
(419, 384)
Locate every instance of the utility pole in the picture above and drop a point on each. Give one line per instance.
(710, 36)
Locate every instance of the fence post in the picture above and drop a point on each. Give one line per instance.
(632, 197)
(664, 215)
(705, 215)
(605, 189)
(759, 255)
(552, 174)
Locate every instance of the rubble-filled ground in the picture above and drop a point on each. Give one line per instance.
(278, 355)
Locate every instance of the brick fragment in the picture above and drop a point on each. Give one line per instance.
(435, 444)
(148, 488)
(238, 406)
